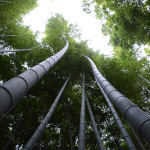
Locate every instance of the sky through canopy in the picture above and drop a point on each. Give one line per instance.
(72, 11)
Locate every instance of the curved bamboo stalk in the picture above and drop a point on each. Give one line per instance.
(118, 121)
(82, 138)
(133, 114)
(37, 134)
(98, 138)
(12, 90)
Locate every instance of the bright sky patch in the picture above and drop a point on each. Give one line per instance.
(72, 11)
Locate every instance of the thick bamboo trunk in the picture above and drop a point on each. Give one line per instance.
(98, 138)
(12, 90)
(82, 137)
(118, 121)
(43, 124)
(133, 114)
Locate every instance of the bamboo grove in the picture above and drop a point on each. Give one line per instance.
(60, 94)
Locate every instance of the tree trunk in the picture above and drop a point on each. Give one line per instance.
(98, 138)
(23, 82)
(134, 115)
(82, 137)
(118, 121)
(43, 124)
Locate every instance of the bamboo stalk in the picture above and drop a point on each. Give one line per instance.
(82, 137)
(98, 138)
(32, 141)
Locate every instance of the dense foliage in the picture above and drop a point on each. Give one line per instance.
(121, 70)
(127, 21)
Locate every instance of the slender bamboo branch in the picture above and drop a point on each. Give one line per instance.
(148, 91)
(30, 144)
(143, 78)
(82, 137)
(17, 50)
(98, 138)
(7, 35)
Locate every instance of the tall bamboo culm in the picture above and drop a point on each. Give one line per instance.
(42, 126)
(82, 137)
(118, 121)
(96, 132)
(138, 119)
(12, 90)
